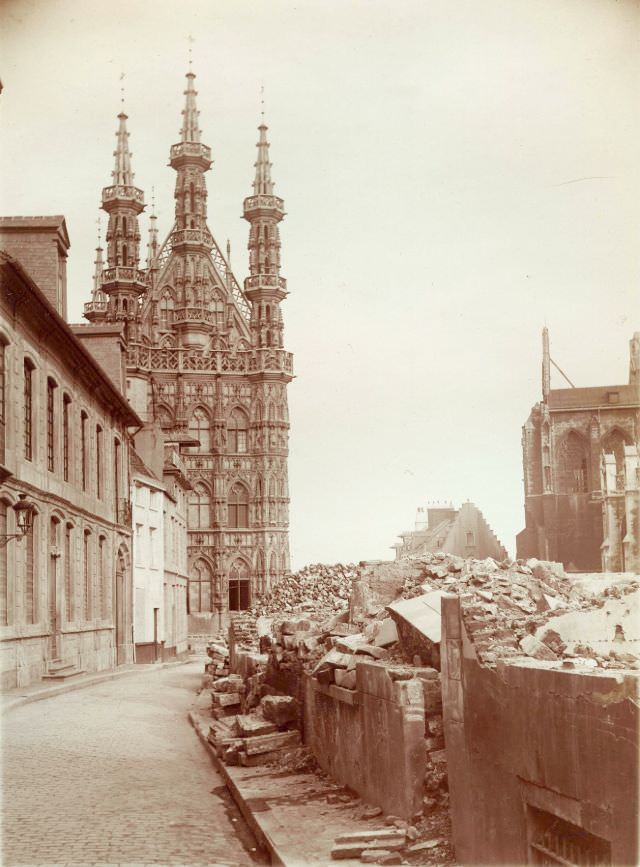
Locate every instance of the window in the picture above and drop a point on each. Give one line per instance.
(238, 508)
(239, 592)
(555, 841)
(199, 507)
(68, 574)
(102, 578)
(572, 464)
(470, 538)
(51, 420)
(116, 477)
(237, 430)
(83, 449)
(66, 400)
(87, 574)
(166, 311)
(29, 574)
(138, 545)
(152, 553)
(3, 398)
(99, 462)
(4, 571)
(199, 594)
(199, 429)
(28, 409)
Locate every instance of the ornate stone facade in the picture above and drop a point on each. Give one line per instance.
(567, 440)
(205, 360)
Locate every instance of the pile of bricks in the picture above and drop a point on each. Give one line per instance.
(253, 738)
(504, 604)
(218, 654)
(317, 588)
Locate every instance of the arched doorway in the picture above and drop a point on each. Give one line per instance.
(239, 586)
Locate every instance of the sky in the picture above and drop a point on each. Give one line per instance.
(456, 175)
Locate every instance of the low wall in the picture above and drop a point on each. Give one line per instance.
(541, 759)
(371, 739)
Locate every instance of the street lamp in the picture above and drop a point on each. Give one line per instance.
(25, 511)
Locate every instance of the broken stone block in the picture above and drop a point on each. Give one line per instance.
(345, 679)
(372, 856)
(371, 650)
(225, 699)
(389, 837)
(325, 674)
(348, 643)
(427, 844)
(386, 634)
(252, 724)
(534, 648)
(342, 851)
(333, 659)
(268, 743)
(290, 627)
(280, 709)
(233, 683)
(371, 812)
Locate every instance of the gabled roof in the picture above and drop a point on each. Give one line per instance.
(93, 374)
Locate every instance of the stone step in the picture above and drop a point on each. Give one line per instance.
(63, 674)
(58, 665)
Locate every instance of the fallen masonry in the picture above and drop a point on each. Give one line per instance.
(347, 660)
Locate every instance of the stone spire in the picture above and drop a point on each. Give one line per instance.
(122, 173)
(122, 281)
(190, 129)
(263, 185)
(634, 360)
(97, 274)
(96, 309)
(546, 365)
(265, 288)
(152, 243)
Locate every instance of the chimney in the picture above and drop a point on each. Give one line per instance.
(40, 245)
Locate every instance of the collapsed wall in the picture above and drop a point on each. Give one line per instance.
(362, 666)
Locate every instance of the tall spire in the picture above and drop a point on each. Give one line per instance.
(190, 129)
(152, 243)
(546, 365)
(263, 185)
(122, 174)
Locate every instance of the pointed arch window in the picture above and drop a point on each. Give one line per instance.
(166, 310)
(239, 586)
(30, 595)
(66, 402)
(237, 432)
(238, 507)
(199, 429)
(199, 507)
(199, 594)
(51, 423)
(573, 465)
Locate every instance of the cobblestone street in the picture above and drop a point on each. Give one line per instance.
(114, 774)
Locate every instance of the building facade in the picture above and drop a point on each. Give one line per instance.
(569, 481)
(205, 359)
(462, 531)
(65, 587)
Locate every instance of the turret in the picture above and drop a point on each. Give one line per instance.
(96, 309)
(122, 280)
(634, 360)
(264, 287)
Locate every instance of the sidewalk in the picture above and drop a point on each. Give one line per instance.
(288, 813)
(36, 692)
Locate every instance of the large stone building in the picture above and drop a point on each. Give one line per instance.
(462, 531)
(65, 586)
(580, 476)
(205, 360)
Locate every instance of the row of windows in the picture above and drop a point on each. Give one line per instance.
(241, 585)
(60, 424)
(85, 583)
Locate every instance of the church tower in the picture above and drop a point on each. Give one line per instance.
(116, 296)
(205, 361)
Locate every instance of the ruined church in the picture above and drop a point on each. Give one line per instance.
(206, 364)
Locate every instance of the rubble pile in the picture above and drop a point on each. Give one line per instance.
(317, 589)
(218, 653)
(508, 608)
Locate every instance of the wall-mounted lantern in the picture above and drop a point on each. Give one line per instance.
(25, 511)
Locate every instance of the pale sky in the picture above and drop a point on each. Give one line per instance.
(455, 175)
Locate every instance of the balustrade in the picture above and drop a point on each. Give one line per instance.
(216, 361)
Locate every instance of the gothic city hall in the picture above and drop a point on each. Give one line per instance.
(206, 365)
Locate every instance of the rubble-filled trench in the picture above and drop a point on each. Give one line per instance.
(364, 640)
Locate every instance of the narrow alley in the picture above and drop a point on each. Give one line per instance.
(114, 774)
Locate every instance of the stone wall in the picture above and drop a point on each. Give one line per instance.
(537, 756)
(371, 739)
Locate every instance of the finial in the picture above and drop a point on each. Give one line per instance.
(262, 102)
(99, 222)
(153, 201)
(191, 41)
(122, 90)
(228, 251)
